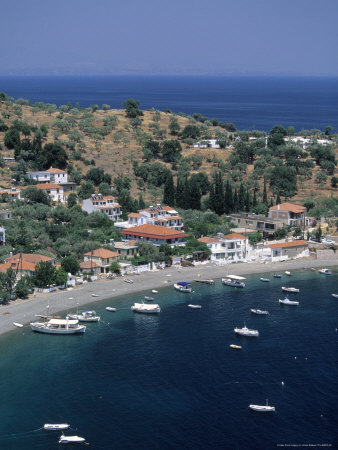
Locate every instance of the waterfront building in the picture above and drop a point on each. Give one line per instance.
(164, 216)
(289, 214)
(258, 222)
(101, 257)
(286, 250)
(155, 234)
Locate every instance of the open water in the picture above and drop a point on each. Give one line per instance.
(248, 102)
(170, 381)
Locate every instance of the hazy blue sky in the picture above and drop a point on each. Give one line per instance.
(169, 37)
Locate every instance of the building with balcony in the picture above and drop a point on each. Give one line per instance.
(231, 247)
(54, 191)
(258, 222)
(164, 216)
(155, 234)
(289, 214)
(51, 175)
(100, 257)
(12, 194)
(105, 204)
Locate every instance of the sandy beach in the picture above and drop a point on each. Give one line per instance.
(24, 311)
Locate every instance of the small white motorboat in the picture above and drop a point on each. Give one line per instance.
(335, 295)
(110, 308)
(259, 312)
(128, 280)
(288, 273)
(183, 286)
(262, 408)
(290, 289)
(86, 316)
(71, 439)
(148, 298)
(236, 347)
(154, 291)
(277, 275)
(325, 271)
(194, 306)
(146, 308)
(16, 324)
(265, 279)
(286, 301)
(95, 295)
(234, 281)
(56, 426)
(246, 332)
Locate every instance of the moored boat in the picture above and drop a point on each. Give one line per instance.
(56, 426)
(277, 275)
(110, 308)
(154, 291)
(262, 408)
(71, 439)
(128, 280)
(335, 295)
(16, 324)
(325, 271)
(259, 312)
(286, 301)
(86, 316)
(236, 347)
(58, 326)
(95, 295)
(293, 290)
(288, 273)
(194, 306)
(145, 308)
(148, 298)
(265, 279)
(204, 281)
(234, 281)
(245, 331)
(183, 286)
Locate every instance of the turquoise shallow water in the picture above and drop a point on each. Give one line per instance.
(171, 381)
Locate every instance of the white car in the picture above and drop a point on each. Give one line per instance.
(328, 242)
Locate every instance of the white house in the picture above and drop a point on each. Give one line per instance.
(164, 216)
(155, 234)
(105, 204)
(51, 175)
(12, 194)
(54, 191)
(286, 250)
(232, 247)
(288, 213)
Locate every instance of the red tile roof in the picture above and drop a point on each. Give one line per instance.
(134, 215)
(43, 186)
(299, 243)
(288, 207)
(17, 266)
(154, 231)
(88, 265)
(52, 170)
(235, 236)
(29, 257)
(102, 253)
(207, 240)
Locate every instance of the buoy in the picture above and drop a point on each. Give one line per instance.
(282, 383)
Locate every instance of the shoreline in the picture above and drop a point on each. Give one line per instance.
(24, 311)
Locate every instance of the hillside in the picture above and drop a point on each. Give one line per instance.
(111, 141)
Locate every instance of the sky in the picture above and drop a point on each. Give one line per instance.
(181, 37)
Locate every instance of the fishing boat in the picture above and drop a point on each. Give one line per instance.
(246, 332)
(288, 273)
(56, 426)
(265, 279)
(183, 286)
(110, 308)
(262, 408)
(148, 298)
(71, 439)
(194, 306)
(16, 324)
(293, 290)
(335, 295)
(145, 308)
(58, 326)
(325, 271)
(204, 281)
(286, 301)
(86, 316)
(277, 275)
(234, 281)
(259, 312)
(236, 347)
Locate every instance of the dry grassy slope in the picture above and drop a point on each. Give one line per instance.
(116, 158)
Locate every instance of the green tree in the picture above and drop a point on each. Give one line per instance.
(70, 265)
(191, 131)
(132, 108)
(97, 176)
(171, 150)
(12, 138)
(71, 200)
(115, 267)
(174, 126)
(24, 286)
(35, 195)
(45, 274)
(169, 191)
(61, 277)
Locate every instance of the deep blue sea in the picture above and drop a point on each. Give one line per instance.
(171, 382)
(248, 102)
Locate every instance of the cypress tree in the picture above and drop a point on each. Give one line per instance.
(219, 194)
(265, 195)
(247, 201)
(228, 198)
(141, 204)
(254, 201)
(194, 201)
(169, 191)
(278, 200)
(235, 206)
(241, 198)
